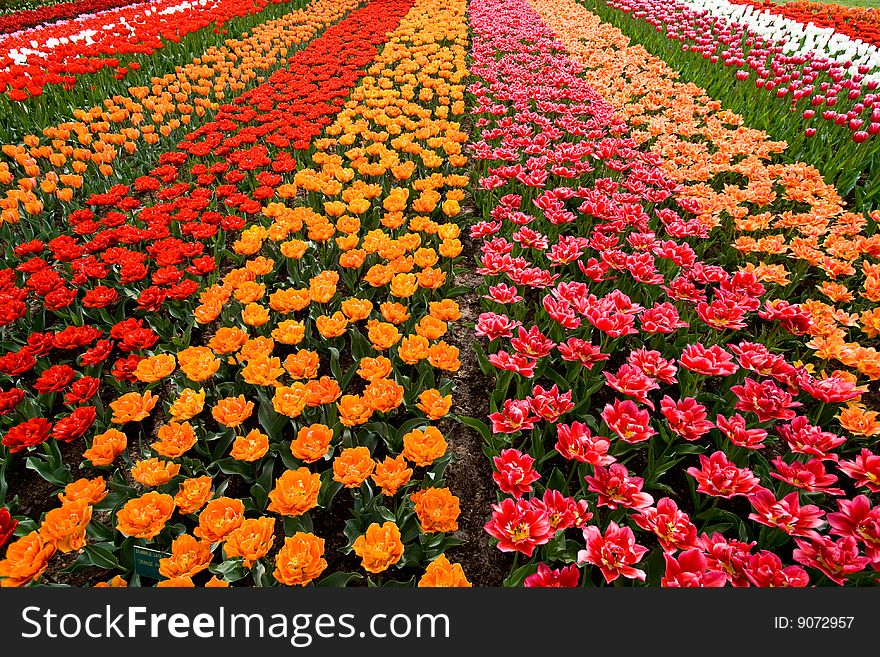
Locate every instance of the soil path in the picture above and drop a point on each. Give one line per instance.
(470, 474)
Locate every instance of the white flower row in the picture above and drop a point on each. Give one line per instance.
(799, 38)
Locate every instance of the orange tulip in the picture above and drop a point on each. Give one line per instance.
(393, 312)
(289, 332)
(116, 582)
(311, 443)
(232, 411)
(295, 492)
(26, 560)
(189, 404)
(382, 335)
(437, 510)
(193, 494)
(290, 400)
(90, 490)
(391, 475)
(255, 315)
(106, 447)
(424, 446)
(198, 363)
(353, 466)
(413, 349)
(444, 357)
(219, 517)
(353, 410)
(145, 516)
(441, 573)
(176, 582)
(132, 407)
(262, 371)
(154, 472)
(189, 557)
(155, 368)
(251, 447)
(383, 395)
(227, 340)
(175, 439)
(433, 404)
(379, 548)
(322, 391)
(302, 364)
(373, 369)
(251, 541)
(300, 560)
(66, 525)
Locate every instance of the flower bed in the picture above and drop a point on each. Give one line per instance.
(78, 156)
(432, 293)
(856, 22)
(247, 441)
(24, 18)
(642, 397)
(817, 103)
(60, 53)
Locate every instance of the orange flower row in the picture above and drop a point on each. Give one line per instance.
(354, 270)
(54, 165)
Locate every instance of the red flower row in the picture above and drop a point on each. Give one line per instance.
(25, 18)
(150, 245)
(57, 54)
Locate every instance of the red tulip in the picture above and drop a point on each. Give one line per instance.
(518, 526)
(546, 577)
(719, 477)
(7, 526)
(617, 488)
(786, 514)
(615, 552)
(672, 526)
(765, 569)
(629, 422)
(837, 559)
(691, 570)
(864, 469)
(515, 472)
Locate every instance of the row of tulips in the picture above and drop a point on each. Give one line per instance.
(24, 18)
(792, 225)
(111, 143)
(645, 423)
(146, 249)
(116, 41)
(136, 70)
(348, 358)
(798, 38)
(151, 224)
(826, 115)
(857, 22)
(299, 300)
(13, 6)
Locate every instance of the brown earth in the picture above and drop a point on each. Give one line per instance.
(470, 474)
